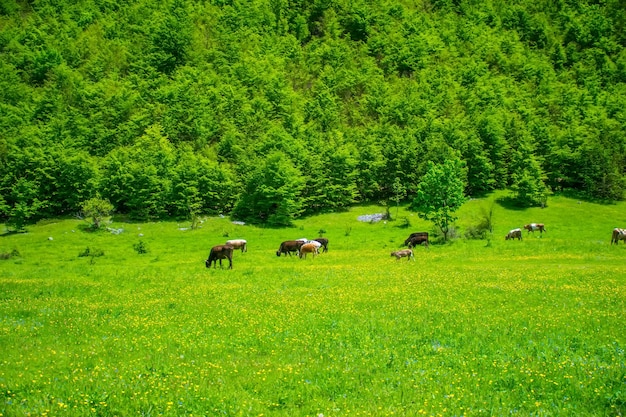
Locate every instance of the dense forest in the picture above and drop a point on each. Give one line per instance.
(266, 110)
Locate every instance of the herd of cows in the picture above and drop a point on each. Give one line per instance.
(532, 227)
(302, 247)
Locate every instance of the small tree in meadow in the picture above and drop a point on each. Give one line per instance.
(440, 194)
(97, 209)
(399, 192)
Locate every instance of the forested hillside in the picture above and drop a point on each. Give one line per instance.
(271, 109)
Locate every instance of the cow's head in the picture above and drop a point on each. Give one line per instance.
(207, 263)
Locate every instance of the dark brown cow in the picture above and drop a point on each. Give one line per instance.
(324, 243)
(220, 252)
(417, 238)
(289, 246)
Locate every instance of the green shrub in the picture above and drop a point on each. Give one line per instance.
(140, 247)
(91, 252)
(9, 255)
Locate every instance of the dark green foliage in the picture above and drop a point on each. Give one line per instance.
(272, 193)
(176, 108)
(89, 252)
(141, 247)
(8, 255)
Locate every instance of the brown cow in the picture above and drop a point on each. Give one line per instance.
(220, 252)
(289, 246)
(618, 234)
(416, 238)
(535, 226)
(408, 253)
(308, 248)
(514, 234)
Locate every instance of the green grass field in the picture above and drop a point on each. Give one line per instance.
(532, 327)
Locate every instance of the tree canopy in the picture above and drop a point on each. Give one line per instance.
(180, 106)
(440, 194)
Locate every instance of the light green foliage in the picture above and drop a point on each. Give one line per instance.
(399, 192)
(518, 328)
(97, 210)
(440, 194)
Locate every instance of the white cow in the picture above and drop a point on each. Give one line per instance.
(618, 234)
(238, 244)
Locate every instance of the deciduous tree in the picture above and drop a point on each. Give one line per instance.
(440, 194)
(272, 193)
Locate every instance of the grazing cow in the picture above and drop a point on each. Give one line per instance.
(317, 244)
(535, 226)
(238, 244)
(408, 253)
(416, 238)
(289, 246)
(618, 234)
(309, 247)
(218, 253)
(514, 234)
(324, 243)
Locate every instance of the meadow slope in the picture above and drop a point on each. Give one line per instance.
(476, 327)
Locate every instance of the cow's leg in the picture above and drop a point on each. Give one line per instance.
(230, 261)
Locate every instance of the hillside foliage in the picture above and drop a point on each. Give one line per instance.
(273, 109)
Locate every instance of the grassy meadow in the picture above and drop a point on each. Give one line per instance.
(532, 327)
